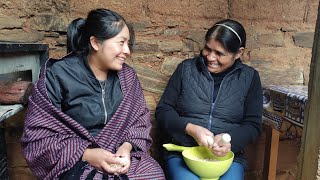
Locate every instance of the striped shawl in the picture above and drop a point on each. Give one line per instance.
(52, 142)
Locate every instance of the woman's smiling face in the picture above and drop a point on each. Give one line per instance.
(217, 57)
(112, 53)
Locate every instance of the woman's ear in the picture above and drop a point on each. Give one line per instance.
(94, 43)
(240, 52)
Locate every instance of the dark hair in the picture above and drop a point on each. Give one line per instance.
(100, 23)
(227, 37)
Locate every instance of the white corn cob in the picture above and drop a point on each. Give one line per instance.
(226, 138)
(210, 140)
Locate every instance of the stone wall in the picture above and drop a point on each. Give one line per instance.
(279, 33)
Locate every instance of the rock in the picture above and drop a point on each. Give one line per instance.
(274, 39)
(18, 35)
(10, 22)
(304, 39)
(158, 31)
(62, 42)
(271, 74)
(192, 45)
(52, 34)
(274, 62)
(48, 22)
(252, 42)
(170, 64)
(149, 59)
(197, 36)
(172, 32)
(172, 23)
(152, 85)
(173, 46)
(140, 26)
(151, 80)
(145, 47)
(151, 102)
(62, 5)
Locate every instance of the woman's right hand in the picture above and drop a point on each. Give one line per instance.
(102, 160)
(200, 134)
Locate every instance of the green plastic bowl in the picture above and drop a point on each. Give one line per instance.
(200, 161)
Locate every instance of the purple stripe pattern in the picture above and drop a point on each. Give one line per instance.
(52, 142)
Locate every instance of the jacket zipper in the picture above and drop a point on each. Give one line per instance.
(211, 108)
(212, 103)
(103, 103)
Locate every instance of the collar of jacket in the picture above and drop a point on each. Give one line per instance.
(202, 66)
(83, 61)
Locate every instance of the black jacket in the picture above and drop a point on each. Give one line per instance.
(189, 97)
(74, 89)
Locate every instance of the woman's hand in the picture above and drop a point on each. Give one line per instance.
(220, 148)
(199, 133)
(123, 153)
(102, 160)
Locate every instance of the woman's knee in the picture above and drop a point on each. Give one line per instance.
(177, 169)
(235, 172)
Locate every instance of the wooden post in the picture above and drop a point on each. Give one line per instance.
(308, 167)
(271, 153)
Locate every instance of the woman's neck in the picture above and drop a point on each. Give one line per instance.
(100, 73)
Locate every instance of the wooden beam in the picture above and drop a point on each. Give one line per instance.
(271, 153)
(308, 167)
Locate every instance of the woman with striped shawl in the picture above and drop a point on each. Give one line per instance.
(87, 117)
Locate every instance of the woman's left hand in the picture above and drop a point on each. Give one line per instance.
(124, 153)
(220, 148)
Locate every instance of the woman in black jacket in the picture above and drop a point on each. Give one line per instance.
(87, 117)
(210, 95)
